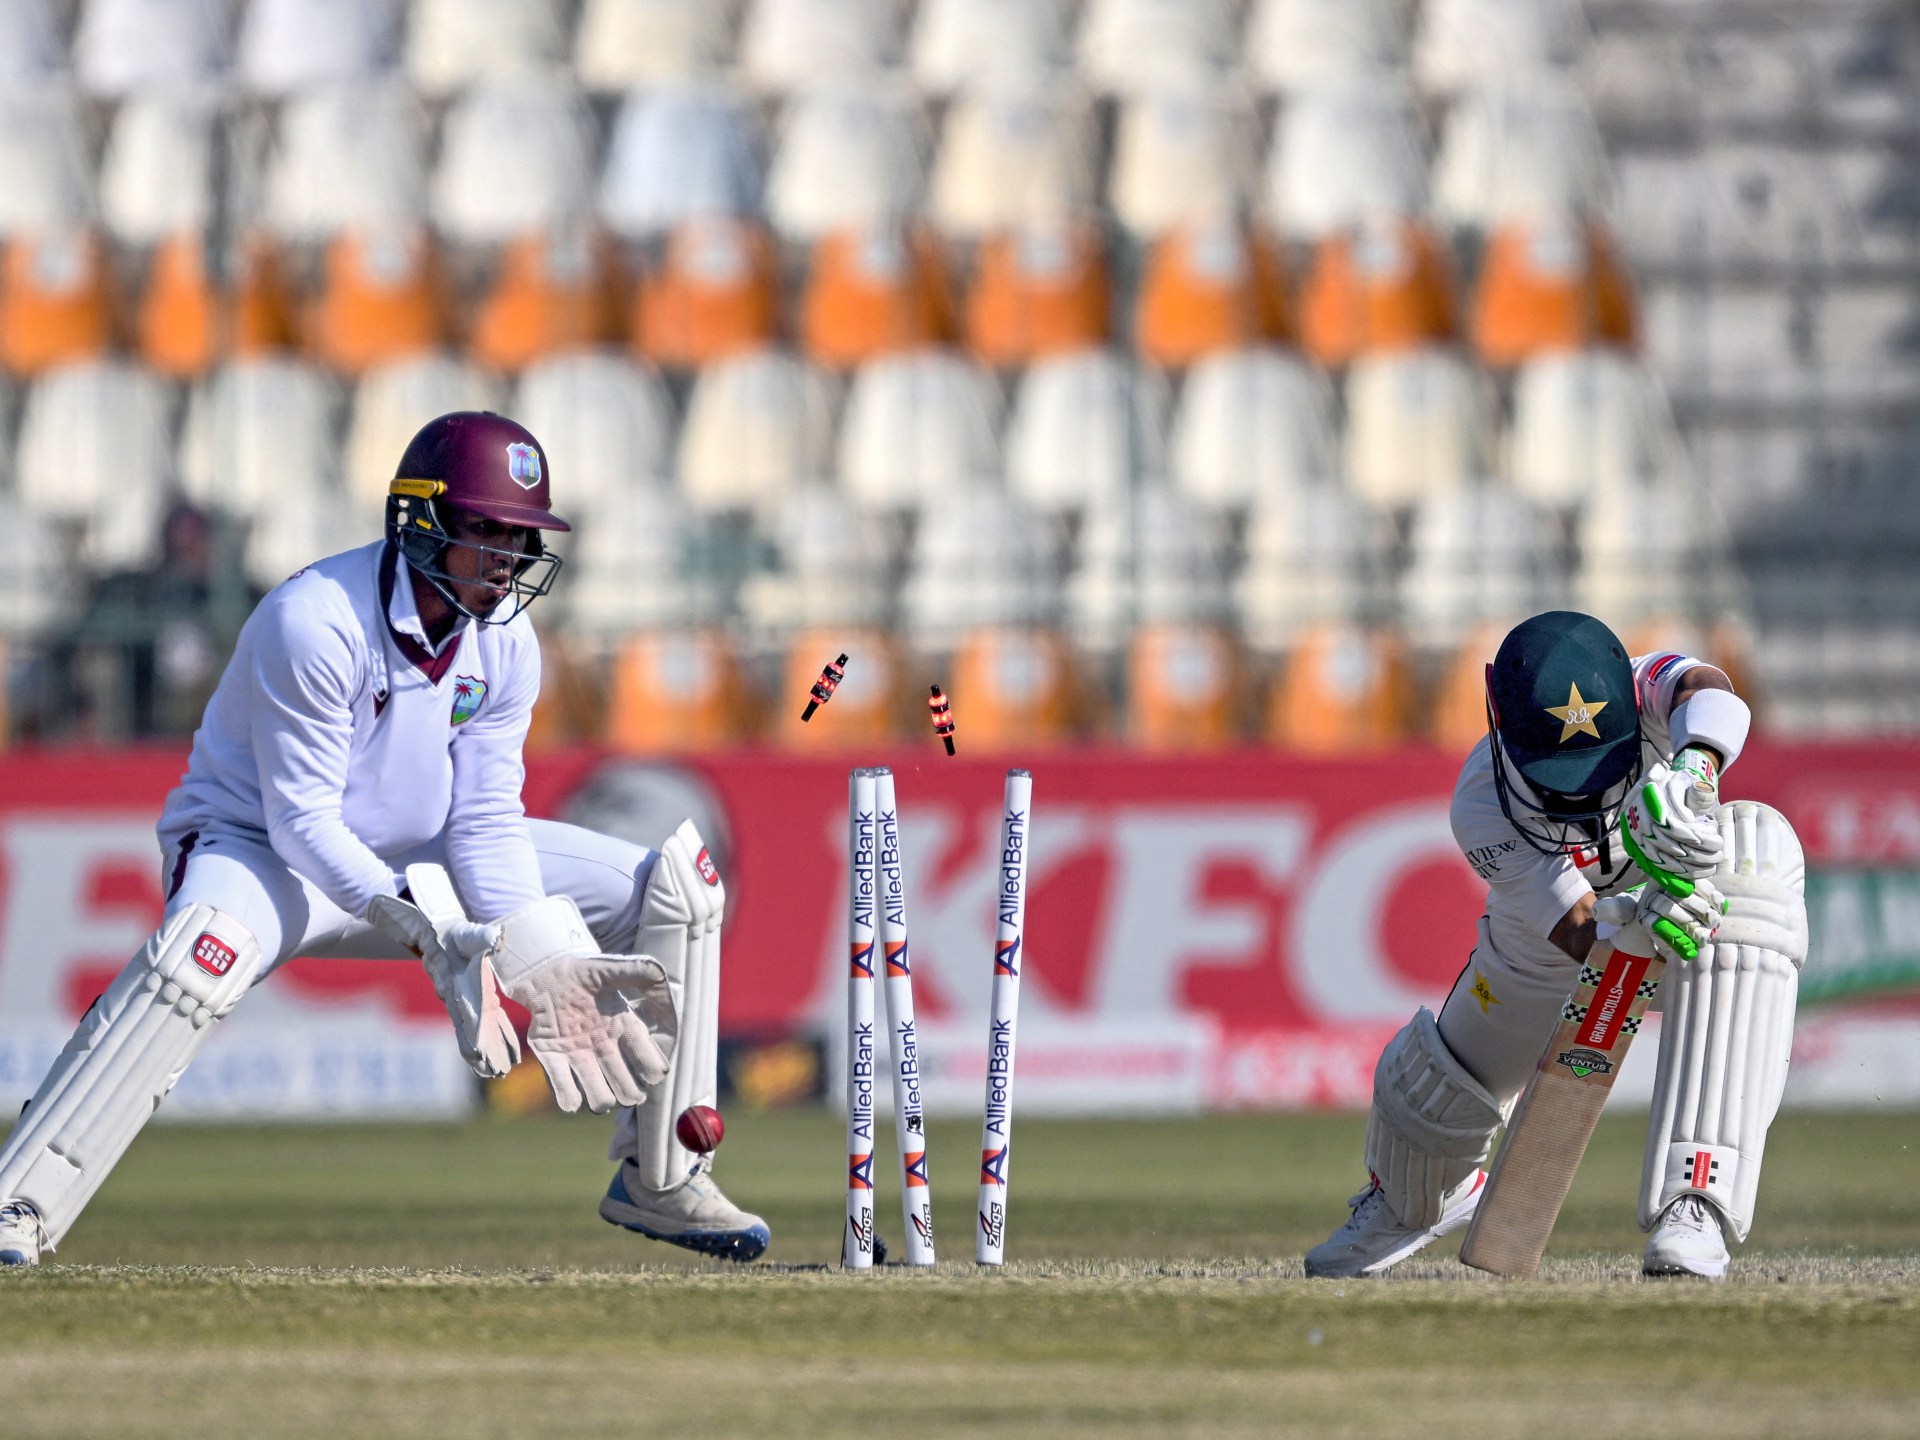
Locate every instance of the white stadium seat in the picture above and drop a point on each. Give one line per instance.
(348, 156)
(44, 173)
(849, 154)
(1133, 47)
(1182, 157)
(516, 157)
(1254, 423)
(626, 570)
(979, 558)
(1419, 422)
(833, 567)
(1755, 202)
(1013, 154)
(1480, 553)
(29, 41)
(1589, 425)
(95, 451)
(1296, 44)
(758, 426)
(790, 44)
(1343, 152)
(1525, 149)
(41, 588)
(302, 526)
(259, 431)
(156, 178)
(1150, 558)
(452, 43)
(605, 423)
(917, 426)
(1314, 554)
(124, 47)
(626, 43)
(1087, 431)
(1467, 43)
(287, 46)
(679, 152)
(1647, 553)
(957, 43)
(391, 403)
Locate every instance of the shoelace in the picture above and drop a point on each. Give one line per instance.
(1362, 1200)
(1692, 1213)
(20, 1210)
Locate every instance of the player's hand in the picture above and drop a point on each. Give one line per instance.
(1670, 823)
(456, 962)
(595, 1017)
(1678, 926)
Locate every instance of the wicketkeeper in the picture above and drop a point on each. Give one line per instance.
(372, 717)
(1590, 755)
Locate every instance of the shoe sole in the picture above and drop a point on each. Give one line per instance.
(739, 1246)
(18, 1257)
(1674, 1270)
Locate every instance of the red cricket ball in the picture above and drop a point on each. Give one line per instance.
(700, 1128)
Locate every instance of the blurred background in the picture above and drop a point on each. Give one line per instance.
(1199, 388)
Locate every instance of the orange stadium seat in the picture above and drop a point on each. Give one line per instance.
(1210, 288)
(1036, 293)
(558, 291)
(1013, 686)
(567, 708)
(1547, 286)
(715, 293)
(675, 689)
(56, 300)
(1458, 718)
(1342, 691)
(380, 299)
(186, 325)
(874, 291)
(1372, 289)
(1186, 687)
(864, 710)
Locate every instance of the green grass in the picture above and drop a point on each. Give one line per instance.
(455, 1280)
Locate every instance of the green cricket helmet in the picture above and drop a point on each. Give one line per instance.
(1563, 718)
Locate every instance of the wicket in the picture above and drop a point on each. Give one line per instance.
(916, 1193)
(1010, 901)
(856, 1251)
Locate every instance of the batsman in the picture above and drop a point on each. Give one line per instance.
(354, 788)
(1592, 800)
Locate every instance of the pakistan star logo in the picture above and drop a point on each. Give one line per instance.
(1576, 717)
(1483, 992)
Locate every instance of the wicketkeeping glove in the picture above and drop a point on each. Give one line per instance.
(456, 961)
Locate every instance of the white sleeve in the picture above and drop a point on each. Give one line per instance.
(304, 680)
(489, 851)
(1655, 677)
(1538, 889)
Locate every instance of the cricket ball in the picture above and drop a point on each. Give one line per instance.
(700, 1128)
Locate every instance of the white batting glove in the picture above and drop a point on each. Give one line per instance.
(1669, 816)
(586, 1030)
(1678, 928)
(456, 961)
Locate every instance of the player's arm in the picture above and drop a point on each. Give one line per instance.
(1669, 824)
(1577, 931)
(489, 851)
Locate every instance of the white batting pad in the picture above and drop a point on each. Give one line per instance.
(1727, 1027)
(128, 1051)
(1431, 1126)
(680, 917)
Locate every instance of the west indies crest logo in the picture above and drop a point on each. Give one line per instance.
(468, 692)
(523, 465)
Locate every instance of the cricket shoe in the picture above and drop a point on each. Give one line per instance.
(21, 1234)
(1687, 1241)
(693, 1214)
(1373, 1239)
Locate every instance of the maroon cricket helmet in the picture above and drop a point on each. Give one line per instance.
(476, 460)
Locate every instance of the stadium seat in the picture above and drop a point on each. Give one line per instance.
(979, 558)
(345, 156)
(568, 710)
(1344, 152)
(390, 404)
(381, 298)
(550, 292)
(1380, 286)
(95, 454)
(1181, 158)
(629, 566)
(1343, 691)
(45, 176)
(872, 291)
(1014, 688)
(1482, 552)
(288, 46)
(1186, 688)
(187, 320)
(758, 425)
(1314, 554)
(833, 567)
(1037, 291)
(56, 300)
(957, 43)
(917, 426)
(679, 152)
(1419, 422)
(1549, 285)
(675, 690)
(1462, 44)
(1520, 150)
(1012, 155)
(1589, 424)
(1646, 553)
(1133, 47)
(1151, 557)
(156, 175)
(1296, 44)
(123, 47)
(791, 44)
(605, 423)
(39, 595)
(626, 44)
(866, 708)
(1253, 423)
(258, 432)
(1456, 721)
(29, 41)
(1209, 287)
(516, 158)
(714, 292)
(453, 43)
(848, 154)
(1087, 428)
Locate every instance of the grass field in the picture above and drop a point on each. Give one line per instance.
(455, 1280)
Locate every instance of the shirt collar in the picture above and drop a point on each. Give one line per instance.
(403, 611)
(403, 620)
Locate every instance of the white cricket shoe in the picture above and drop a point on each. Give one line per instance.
(21, 1234)
(1373, 1239)
(1687, 1240)
(694, 1214)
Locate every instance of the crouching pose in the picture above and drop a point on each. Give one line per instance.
(371, 720)
(1592, 759)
